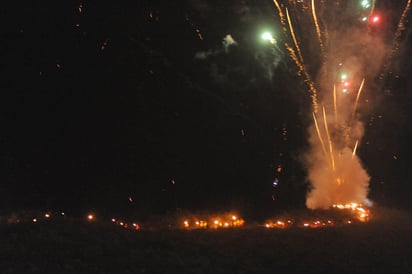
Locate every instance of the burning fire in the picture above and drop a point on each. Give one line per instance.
(350, 213)
(361, 213)
(213, 222)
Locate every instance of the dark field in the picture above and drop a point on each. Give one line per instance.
(383, 245)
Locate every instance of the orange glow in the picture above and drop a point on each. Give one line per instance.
(212, 222)
(186, 224)
(360, 212)
(47, 215)
(90, 217)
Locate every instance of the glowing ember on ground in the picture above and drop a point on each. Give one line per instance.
(213, 222)
(337, 215)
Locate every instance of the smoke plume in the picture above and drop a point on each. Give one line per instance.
(335, 172)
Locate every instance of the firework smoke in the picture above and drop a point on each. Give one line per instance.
(227, 42)
(350, 55)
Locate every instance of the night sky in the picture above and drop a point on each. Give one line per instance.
(108, 106)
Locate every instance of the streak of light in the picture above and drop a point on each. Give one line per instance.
(357, 98)
(295, 41)
(401, 27)
(332, 158)
(319, 135)
(335, 107)
(397, 38)
(315, 20)
(294, 58)
(281, 15)
(308, 80)
(354, 149)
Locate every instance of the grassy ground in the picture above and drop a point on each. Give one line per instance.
(383, 246)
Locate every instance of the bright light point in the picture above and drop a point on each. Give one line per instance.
(34, 220)
(113, 220)
(375, 19)
(90, 217)
(234, 218)
(47, 215)
(186, 223)
(364, 19)
(267, 36)
(344, 76)
(365, 4)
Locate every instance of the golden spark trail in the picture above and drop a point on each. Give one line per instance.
(292, 32)
(294, 58)
(315, 20)
(281, 15)
(357, 97)
(308, 81)
(401, 27)
(332, 158)
(354, 149)
(397, 39)
(335, 106)
(319, 135)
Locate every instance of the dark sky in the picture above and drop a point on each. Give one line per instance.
(105, 106)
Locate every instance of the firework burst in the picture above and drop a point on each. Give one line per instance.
(349, 52)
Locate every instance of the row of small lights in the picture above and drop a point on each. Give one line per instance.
(216, 223)
(91, 217)
(235, 221)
